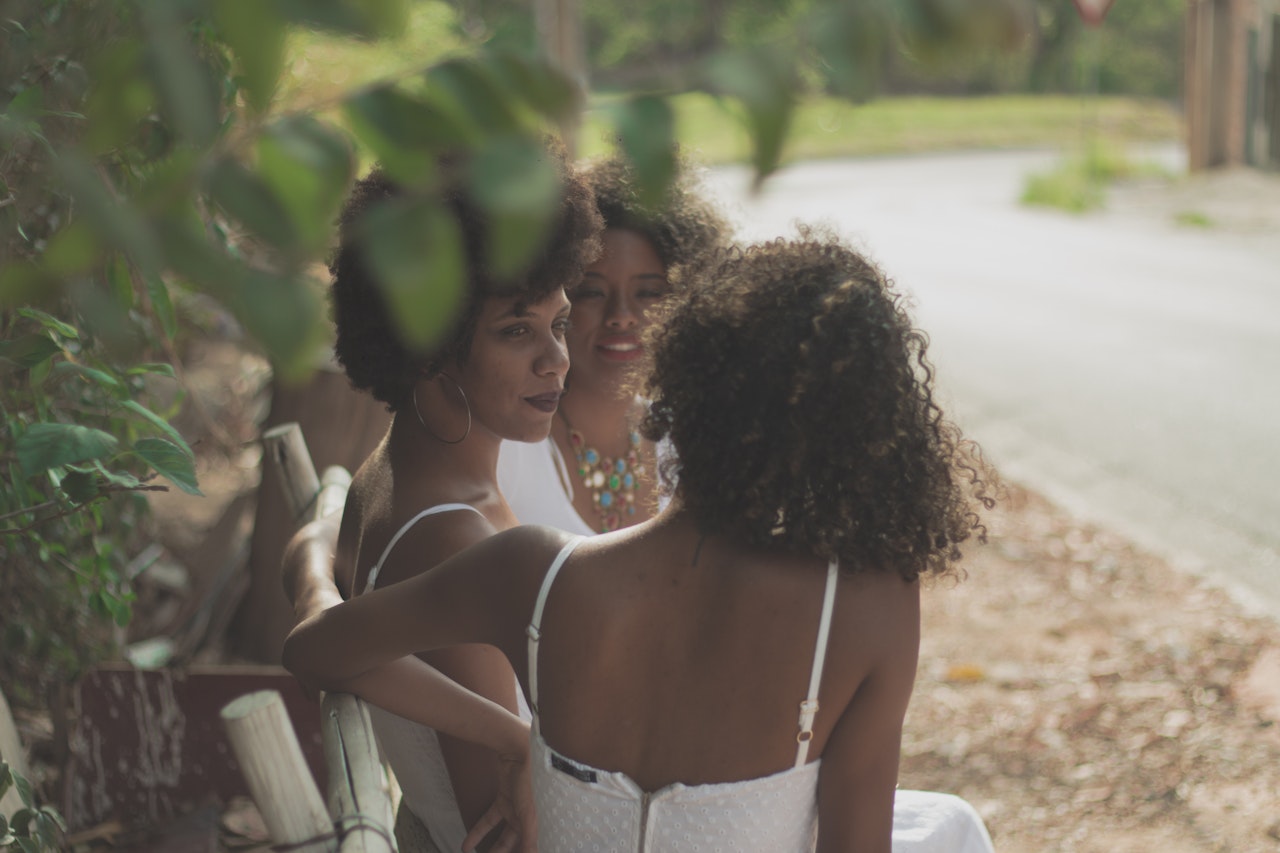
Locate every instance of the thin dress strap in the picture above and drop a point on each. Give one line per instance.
(809, 707)
(386, 552)
(534, 631)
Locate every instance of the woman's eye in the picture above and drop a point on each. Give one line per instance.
(561, 326)
(515, 331)
(585, 292)
(653, 294)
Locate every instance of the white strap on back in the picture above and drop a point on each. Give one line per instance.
(809, 707)
(386, 552)
(534, 631)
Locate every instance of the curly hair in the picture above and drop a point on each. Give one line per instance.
(798, 397)
(683, 229)
(368, 346)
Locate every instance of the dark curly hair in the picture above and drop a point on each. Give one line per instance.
(800, 403)
(367, 344)
(683, 229)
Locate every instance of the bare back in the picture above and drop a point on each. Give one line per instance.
(674, 663)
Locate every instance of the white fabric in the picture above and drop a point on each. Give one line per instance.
(582, 808)
(587, 809)
(413, 750)
(534, 479)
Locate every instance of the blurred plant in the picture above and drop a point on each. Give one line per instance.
(32, 828)
(1079, 182)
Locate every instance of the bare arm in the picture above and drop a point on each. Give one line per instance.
(860, 761)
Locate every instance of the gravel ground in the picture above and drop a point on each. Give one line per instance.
(1087, 697)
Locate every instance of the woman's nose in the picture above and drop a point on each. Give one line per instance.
(621, 313)
(554, 360)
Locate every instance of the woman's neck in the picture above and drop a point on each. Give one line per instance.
(604, 420)
(424, 464)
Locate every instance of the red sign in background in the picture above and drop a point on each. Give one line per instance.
(1092, 11)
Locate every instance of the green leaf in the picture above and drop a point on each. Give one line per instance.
(25, 793)
(120, 280)
(403, 132)
(54, 816)
(74, 249)
(79, 486)
(541, 85)
(118, 224)
(169, 461)
(28, 845)
(50, 322)
(121, 96)
(98, 377)
(251, 200)
(47, 445)
(414, 247)
(153, 367)
(513, 181)
(162, 305)
(763, 80)
(367, 18)
(117, 478)
(475, 92)
(27, 351)
(120, 611)
(646, 132)
(159, 423)
(309, 168)
(185, 84)
(850, 41)
(255, 32)
(284, 314)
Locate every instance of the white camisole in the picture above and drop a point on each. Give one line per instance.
(582, 808)
(412, 749)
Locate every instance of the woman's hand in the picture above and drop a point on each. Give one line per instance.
(514, 808)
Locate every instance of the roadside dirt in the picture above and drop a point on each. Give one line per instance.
(1087, 697)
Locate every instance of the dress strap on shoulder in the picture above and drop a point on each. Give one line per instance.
(809, 707)
(386, 552)
(534, 631)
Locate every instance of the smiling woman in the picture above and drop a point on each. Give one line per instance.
(606, 471)
(429, 490)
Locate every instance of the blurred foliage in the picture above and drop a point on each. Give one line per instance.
(33, 828)
(147, 160)
(1079, 182)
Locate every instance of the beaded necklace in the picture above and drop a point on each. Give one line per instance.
(612, 482)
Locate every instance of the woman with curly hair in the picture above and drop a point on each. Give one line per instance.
(429, 489)
(732, 674)
(595, 455)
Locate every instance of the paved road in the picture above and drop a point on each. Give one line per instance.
(1124, 365)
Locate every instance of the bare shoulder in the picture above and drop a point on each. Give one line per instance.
(877, 611)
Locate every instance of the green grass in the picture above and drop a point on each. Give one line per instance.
(322, 68)
(825, 127)
(1193, 219)
(1079, 182)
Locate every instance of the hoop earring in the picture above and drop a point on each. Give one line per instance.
(465, 402)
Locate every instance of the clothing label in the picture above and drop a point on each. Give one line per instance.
(564, 765)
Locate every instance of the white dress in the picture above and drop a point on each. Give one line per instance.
(582, 808)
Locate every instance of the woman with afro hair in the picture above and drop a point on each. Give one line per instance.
(595, 472)
(429, 489)
(732, 674)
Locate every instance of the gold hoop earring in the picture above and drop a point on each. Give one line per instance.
(465, 402)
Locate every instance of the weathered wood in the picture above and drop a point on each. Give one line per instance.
(333, 491)
(148, 746)
(267, 749)
(287, 449)
(359, 799)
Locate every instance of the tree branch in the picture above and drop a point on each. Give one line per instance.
(14, 531)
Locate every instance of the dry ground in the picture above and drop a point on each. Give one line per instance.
(1087, 697)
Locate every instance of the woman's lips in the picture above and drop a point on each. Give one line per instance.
(620, 349)
(545, 402)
